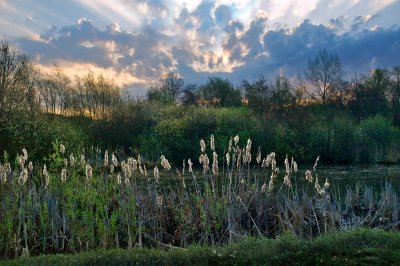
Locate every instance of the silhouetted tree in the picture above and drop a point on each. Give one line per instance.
(395, 94)
(16, 91)
(220, 92)
(190, 95)
(369, 95)
(324, 73)
(257, 95)
(168, 90)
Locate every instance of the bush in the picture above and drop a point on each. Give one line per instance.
(375, 135)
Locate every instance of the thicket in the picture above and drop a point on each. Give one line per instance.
(323, 114)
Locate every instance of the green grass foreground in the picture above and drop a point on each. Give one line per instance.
(356, 247)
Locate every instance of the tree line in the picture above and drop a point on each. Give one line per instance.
(23, 87)
(317, 113)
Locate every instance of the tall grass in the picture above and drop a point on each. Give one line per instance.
(100, 202)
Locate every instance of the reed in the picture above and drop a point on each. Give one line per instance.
(96, 204)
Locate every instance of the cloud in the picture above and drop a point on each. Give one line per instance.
(209, 38)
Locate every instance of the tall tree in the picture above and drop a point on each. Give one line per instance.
(15, 75)
(324, 73)
(220, 92)
(370, 94)
(168, 90)
(257, 94)
(395, 94)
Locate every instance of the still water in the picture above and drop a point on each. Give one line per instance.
(339, 176)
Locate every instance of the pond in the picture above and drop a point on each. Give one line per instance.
(339, 176)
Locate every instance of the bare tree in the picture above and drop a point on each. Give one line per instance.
(324, 73)
(15, 69)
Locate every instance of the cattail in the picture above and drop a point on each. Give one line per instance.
(287, 166)
(114, 160)
(25, 154)
(190, 166)
(46, 177)
(83, 159)
(326, 185)
(212, 142)
(204, 161)
(230, 145)
(165, 163)
(7, 166)
(202, 146)
(236, 139)
(62, 149)
(316, 163)
(23, 176)
(112, 169)
(286, 181)
(30, 166)
(64, 175)
(309, 177)
(65, 162)
(106, 158)
(119, 179)
(215, 163)
(21, 161)
(144, 170)
(273, 165)
(248, 151)
(295, 167)
(71, 159)
(156, 174)
(141, 170)
(264, 187)
(258, 159)
(183, 167)
(228, 157)
(159, 201)
(139, 159)
(89, 171)
(134, 164)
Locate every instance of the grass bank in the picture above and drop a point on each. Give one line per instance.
(356, 247)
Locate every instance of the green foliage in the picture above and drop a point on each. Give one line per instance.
(376, 134)
(219, 92)
(357, 247)
(37, 133)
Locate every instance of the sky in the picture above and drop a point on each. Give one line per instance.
(135, 42)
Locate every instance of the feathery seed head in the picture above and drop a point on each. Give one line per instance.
(309, 176)
(23, 176)
(89, 171)
(202, 146)
(106, 158)
(212, 142)
(236, 139)
(62, 148)
(63, 175)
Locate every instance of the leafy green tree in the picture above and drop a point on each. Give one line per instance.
(282, 95)
(168, 90)
(369, 96)
(220, 92)
(257, 95)
(190, 95)
(395, 94)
